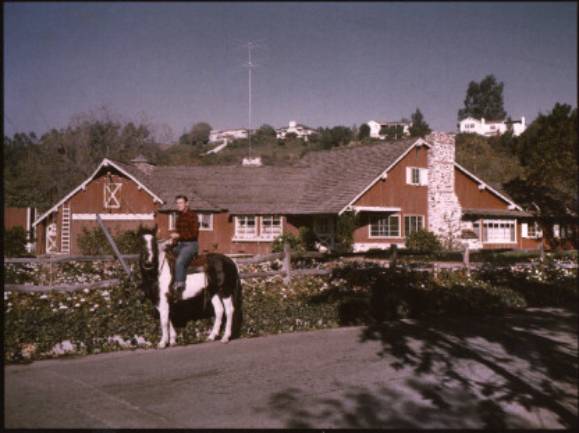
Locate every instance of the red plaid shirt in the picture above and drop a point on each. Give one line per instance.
(187, 225)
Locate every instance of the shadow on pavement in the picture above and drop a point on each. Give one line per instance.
(516, 371)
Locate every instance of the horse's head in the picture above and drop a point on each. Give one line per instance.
(149, 252)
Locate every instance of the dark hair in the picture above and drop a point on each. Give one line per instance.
(184, 197)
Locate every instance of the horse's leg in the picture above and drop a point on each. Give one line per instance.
(165, 322)
(229, 310)
(172, 334)
(218, 308)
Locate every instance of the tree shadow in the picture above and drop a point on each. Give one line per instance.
(517, 371)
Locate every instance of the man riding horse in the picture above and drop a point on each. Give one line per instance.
(184, 237)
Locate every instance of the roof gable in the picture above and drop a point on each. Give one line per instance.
(104, 163)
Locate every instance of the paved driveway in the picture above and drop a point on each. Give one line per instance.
(517, 372)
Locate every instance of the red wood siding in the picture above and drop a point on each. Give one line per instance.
(469, 196)
(394, 191)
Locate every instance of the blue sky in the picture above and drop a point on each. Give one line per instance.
(322, 64)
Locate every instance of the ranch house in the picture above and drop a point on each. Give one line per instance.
(394, 188)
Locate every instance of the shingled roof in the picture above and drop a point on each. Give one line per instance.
(323, 182)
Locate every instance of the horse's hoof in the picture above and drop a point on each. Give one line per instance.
(161, 345)
(225, 340)
(211, 338)
(173, 343)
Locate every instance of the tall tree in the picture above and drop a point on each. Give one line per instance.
(484, 99)
(392, 132)
(200, 133)
(419, 126)
(363, 131)
(547, 150)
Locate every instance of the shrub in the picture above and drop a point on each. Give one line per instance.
(94, 242)
(423, 241)
(345, 226)
(293, 241)
(15, 242)
(308, 238)
(92, 319)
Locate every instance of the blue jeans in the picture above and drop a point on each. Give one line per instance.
(185, 251)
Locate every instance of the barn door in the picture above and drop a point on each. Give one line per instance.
(51, 238)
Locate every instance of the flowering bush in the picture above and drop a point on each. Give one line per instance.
(40, 325)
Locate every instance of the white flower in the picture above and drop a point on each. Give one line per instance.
(63, 307)
(77, 305)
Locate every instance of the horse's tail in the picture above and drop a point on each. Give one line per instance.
(238, 304)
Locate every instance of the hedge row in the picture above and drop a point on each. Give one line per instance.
(92, 321)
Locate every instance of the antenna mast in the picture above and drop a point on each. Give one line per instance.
(249, 65)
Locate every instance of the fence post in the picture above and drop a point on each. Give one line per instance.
(393, 255)
(287, 263)
(113, 245)
(466, 259)
(50, 271)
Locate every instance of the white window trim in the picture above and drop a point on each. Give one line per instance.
(271, 237)
(370, 236)
(486, 221)
(525, 231)
(259, 230)
(422, 176)
(413, 215)
(236, 233)
(201, 228)
(172, 220)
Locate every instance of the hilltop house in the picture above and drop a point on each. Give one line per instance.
(488, 129)
(395, 188)
(376, 127)
(226, 135)
(301, 131)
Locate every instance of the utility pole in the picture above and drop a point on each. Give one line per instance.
(249, 65)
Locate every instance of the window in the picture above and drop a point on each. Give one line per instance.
(205, 221)
(499, 231)
(416, 176)
(413, 223)
(245, 227)
(112, 195)
(172, 220)
(385, 227)
(270, 226)
(531, 230)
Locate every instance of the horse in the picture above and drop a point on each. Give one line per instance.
(219, 280)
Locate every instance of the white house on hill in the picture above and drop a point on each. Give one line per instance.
(488, 129)
(227, 135)
(376, 126)
(301, 131)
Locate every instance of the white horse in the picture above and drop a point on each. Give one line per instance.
(220, 279)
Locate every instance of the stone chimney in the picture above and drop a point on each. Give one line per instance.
(142, 164)
(252, 162)
(444, 211)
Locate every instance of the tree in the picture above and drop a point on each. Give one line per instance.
(484, 100)
(419, 126)
(265, 131)
(392, 132)
(547, 151)
(364, 131)
(200, 133)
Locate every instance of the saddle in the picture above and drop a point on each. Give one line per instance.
(197, 264)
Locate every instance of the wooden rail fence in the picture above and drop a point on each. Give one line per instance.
(286, 271)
